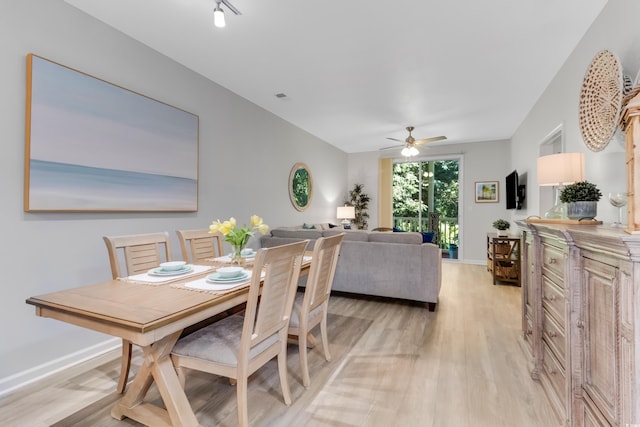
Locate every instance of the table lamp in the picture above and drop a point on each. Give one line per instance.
(347, 213)
(559, 170)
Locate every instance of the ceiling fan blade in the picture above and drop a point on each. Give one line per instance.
(433, 139)
(393, 146)
(394, 139)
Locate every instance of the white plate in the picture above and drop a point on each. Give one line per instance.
(159, 271)
(251, 255)
(208, 286)
(215, 278)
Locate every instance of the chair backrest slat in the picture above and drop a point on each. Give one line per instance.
(141, 252)
(199, 244)
(281, 266)
(325, 257)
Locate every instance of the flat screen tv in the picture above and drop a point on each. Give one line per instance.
(511, 186)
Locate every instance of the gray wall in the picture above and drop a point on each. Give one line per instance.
(616, 30)
(481, 161)
(246, 154)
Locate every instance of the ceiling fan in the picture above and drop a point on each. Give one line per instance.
(410, 143)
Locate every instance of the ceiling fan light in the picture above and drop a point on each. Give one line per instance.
(406, 152)
(413, 151)
(218, 17)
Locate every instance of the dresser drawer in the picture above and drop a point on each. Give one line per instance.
(553, 299)
(553, 336)
(553, 260)
(555, 375)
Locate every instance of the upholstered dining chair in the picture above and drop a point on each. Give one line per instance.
(237, 346)
(199, 245)
(138, 253)
(310, 307)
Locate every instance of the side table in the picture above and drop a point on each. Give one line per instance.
(503, 258)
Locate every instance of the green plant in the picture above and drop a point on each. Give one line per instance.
(501, 224)
(582, 191)
(238, 237)
(360, 201)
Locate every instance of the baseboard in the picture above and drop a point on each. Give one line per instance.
(89, 357)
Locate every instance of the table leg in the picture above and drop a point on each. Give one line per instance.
(157, 367)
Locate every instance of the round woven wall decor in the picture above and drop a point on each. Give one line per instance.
(601, 100)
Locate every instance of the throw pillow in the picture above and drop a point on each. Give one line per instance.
(427, 237)
(333, 225)
(397, 230)
(308, 227)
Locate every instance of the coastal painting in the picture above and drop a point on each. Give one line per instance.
(92, 146)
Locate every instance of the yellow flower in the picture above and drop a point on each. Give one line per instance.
(235, 235)
(256, 221)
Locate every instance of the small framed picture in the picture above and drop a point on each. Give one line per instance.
(486, 191)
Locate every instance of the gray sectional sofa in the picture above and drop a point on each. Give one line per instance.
(395, 265)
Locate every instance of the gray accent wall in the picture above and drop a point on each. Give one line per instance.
(246, 154)
(616, 29)
(480, 161)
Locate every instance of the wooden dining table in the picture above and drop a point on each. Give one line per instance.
(153, 317)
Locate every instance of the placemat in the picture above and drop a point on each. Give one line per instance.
(202, 285)
(148, 279)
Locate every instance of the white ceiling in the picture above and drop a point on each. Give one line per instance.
(358, 71)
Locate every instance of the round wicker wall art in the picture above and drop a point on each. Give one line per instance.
(601, 100)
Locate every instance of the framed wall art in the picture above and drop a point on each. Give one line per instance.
(486, 191)
(95, 146)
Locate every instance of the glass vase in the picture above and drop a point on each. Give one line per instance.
(236, 256)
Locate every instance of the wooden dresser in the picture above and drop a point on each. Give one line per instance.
(581, 321)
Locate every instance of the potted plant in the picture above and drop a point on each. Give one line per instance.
(582, 199)
(501, 226)
(360, 201)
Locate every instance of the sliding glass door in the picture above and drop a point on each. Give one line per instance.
(425, 199)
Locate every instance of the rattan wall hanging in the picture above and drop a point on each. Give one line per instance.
(601, 100)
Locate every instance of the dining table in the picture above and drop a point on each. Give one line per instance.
(151, 313)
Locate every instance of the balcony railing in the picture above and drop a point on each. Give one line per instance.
(448, 228)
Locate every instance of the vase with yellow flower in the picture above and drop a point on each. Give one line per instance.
(238, 237)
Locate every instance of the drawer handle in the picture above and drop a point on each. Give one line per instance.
(552, 260)
(552, 334)
(551, 298)
(580, 324)
(551, 371)
(529, 332)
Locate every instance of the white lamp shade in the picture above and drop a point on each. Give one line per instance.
(346, 212)
(560, 169)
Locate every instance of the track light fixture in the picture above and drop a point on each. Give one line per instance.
(218, 16)
(218, 13)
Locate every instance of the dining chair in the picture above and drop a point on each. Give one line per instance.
(138, 253)
(199, 244)
(238, 345)
(310, 307)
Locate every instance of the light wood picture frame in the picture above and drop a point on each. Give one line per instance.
(92, 146)
(487, 191)
(300, 186)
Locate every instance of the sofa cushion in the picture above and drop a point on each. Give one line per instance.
(297, 234)
(350, 235)
(408, 237)
(310, 226)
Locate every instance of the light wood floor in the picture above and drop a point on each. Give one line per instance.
(394, 364)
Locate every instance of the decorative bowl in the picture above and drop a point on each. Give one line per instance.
(172, 265)
(228, 272)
